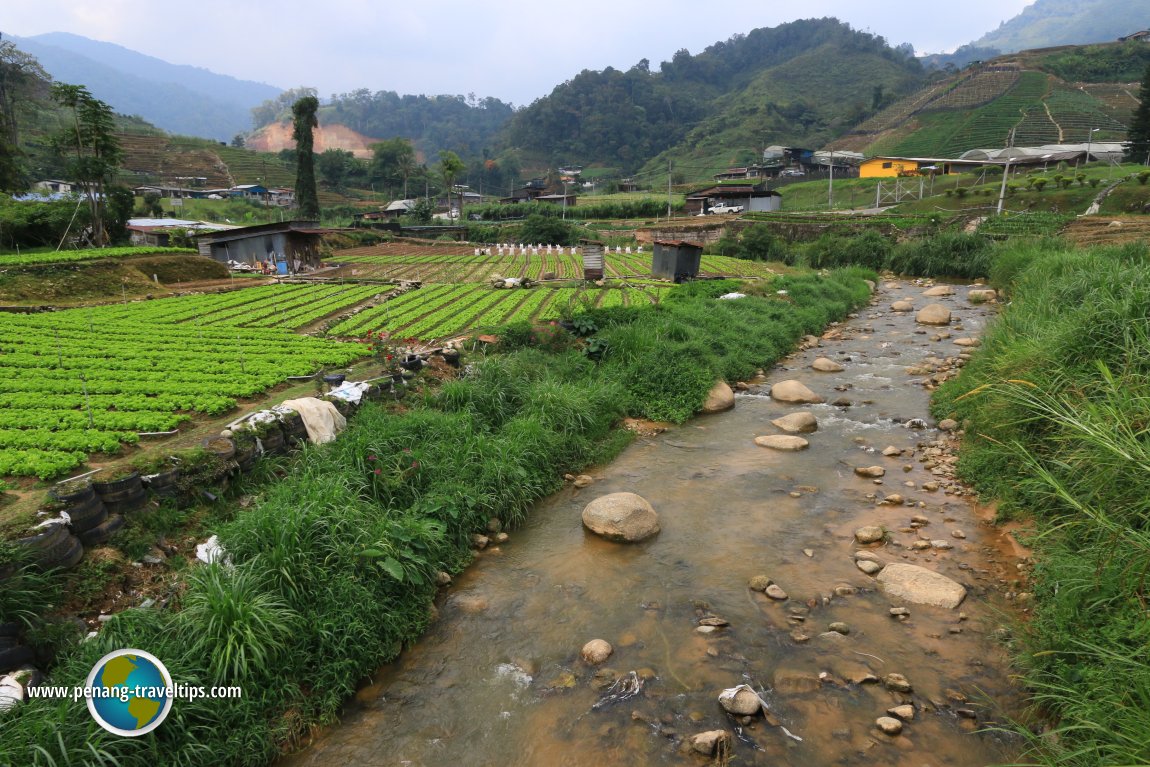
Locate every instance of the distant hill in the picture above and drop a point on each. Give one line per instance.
(1049, 23)
(1030, 98)
(800, 83)
(180, 99)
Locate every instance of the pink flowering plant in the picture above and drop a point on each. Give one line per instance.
(394, 476)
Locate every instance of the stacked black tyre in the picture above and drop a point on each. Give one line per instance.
(163, 485)
(294, 429)
(53, 547)
(84, 507)
(122, 494)
(273, 440)
(245, 456)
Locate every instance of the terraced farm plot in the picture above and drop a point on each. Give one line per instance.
(78, 381)
(460, 264)
(287, 307)
(437, 312)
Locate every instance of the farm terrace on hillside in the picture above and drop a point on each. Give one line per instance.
(446, 310)
(88, 380)
(459, 263)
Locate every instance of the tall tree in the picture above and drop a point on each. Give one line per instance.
(304, 134)
(93, 149)
(23, 83)
(450, 166)
(1138, 150)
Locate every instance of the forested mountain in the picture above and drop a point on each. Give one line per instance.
(1068, 22)
(180, 99)
(796, 83)
(465, 125)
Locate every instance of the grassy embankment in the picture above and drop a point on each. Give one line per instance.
(1057, 411)
(334, 567)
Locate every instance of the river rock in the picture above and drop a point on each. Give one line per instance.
(596, 651)
(774, 591)
(889, 725)
(967, 342)
(706, 743)
(872, 472)
(911, 583)
(868, 566)
(824, 365)
(981, 295)
(948, 424)
(803, 422)
(583, 480)
(621, 517)
(897, 683)
(759, 583)
(904, 712)
(720, 398)
(794, 393)
(933, 314)
(785, 442)
(891, 451)
(902, 306)
(869, 534)
(939, 290)
(740, 701)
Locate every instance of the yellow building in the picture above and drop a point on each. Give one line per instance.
(891, 167)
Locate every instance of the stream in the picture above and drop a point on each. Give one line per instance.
(498, 678)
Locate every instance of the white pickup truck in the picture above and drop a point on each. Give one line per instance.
(720, 209)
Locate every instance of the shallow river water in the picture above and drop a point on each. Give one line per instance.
(498, 679)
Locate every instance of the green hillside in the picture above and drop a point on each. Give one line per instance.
(1068, 22)
(1029, 99)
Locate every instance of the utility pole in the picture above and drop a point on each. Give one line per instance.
(1002, 191)
(668, 189)
(831, 185)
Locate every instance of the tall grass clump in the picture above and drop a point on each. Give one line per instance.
(1057, 406)
(950, 254)
(333, 571)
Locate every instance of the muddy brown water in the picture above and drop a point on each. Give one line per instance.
(498, 680)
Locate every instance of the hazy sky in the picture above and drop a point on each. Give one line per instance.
(514, 50)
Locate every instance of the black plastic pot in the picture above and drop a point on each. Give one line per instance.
(411, 362)
(334, 380)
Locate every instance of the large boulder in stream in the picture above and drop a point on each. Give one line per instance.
(803, 422)
(933, 314)
(621, 517)
(720, 398)
(918, 585)
(794, 393)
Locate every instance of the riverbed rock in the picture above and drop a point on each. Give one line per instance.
(897, 683)
(967, 342)
(803, 422)
(888, 725)
(902, 306)
(869, 534)
(774, 591)
(871, 472)
(911, 583)
(785, 442)
(939, 290)
(869, 567)
(583, 480)
(794, 393)
(824, 365)
(706, 743)
(720, 398)
(981, 295)
(621, 517)
(740, 701)
(948, 424)
(596, 651)
(933, 314)
(759, 583)
(904, 712)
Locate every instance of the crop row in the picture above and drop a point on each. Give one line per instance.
(81, 381)
(92, 254)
